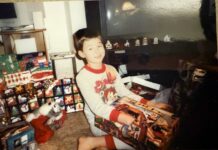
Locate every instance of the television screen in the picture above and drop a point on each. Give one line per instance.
(7, 11)
(180, 19)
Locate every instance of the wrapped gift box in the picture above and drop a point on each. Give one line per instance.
(153, 129)
(29, 61)
(18, 78)
(8, 64)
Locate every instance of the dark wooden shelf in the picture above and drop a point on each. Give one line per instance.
(162, 56)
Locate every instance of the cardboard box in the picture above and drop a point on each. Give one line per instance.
(153, 129)
(68, 70)
(18, 137)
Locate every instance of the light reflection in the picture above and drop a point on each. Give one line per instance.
(108, 15)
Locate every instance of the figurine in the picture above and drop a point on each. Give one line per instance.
(137, 42)
(167, 38)
(116, 45)
(127, 44)
(155, 40)
(108, 45)
(145, 41)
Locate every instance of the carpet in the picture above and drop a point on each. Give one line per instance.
(66, 137)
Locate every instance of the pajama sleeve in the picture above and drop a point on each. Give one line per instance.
(94, 100)
(123, 91)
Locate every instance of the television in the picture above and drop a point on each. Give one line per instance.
(181, 20)
(7, 11)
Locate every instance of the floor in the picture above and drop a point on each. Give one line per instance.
(66, 137)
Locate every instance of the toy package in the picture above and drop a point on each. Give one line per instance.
(153, 128)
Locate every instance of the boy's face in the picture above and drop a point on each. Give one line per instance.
(93, 51)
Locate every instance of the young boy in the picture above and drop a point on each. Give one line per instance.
(100, 84)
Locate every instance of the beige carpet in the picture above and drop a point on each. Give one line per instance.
(66, 137)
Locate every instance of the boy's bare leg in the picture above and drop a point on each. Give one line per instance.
(89, 143)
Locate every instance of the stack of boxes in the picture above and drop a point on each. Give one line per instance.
(27, 82)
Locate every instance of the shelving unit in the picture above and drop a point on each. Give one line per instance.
(9, 36)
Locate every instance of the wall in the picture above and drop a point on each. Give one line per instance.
(24, 12)
(62, 24)
(61, 18)
(77, 22)
(77, 15)
(56, 23)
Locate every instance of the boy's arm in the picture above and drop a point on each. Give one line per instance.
(123, 91)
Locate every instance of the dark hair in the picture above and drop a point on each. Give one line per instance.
(81, 35)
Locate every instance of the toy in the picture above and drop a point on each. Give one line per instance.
(108, 45)
(45, 120)
(155, 41)
(127, 44)
(145, 41)
(137, 42)
(152, 129)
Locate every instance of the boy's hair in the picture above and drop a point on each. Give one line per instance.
(80, 36)
(83, 34)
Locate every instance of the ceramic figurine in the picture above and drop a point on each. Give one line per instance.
(145, 41)
(137, 42)
(108, 45)
(167, 38)
(116, 45)
(155, 40)
(127, 44)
